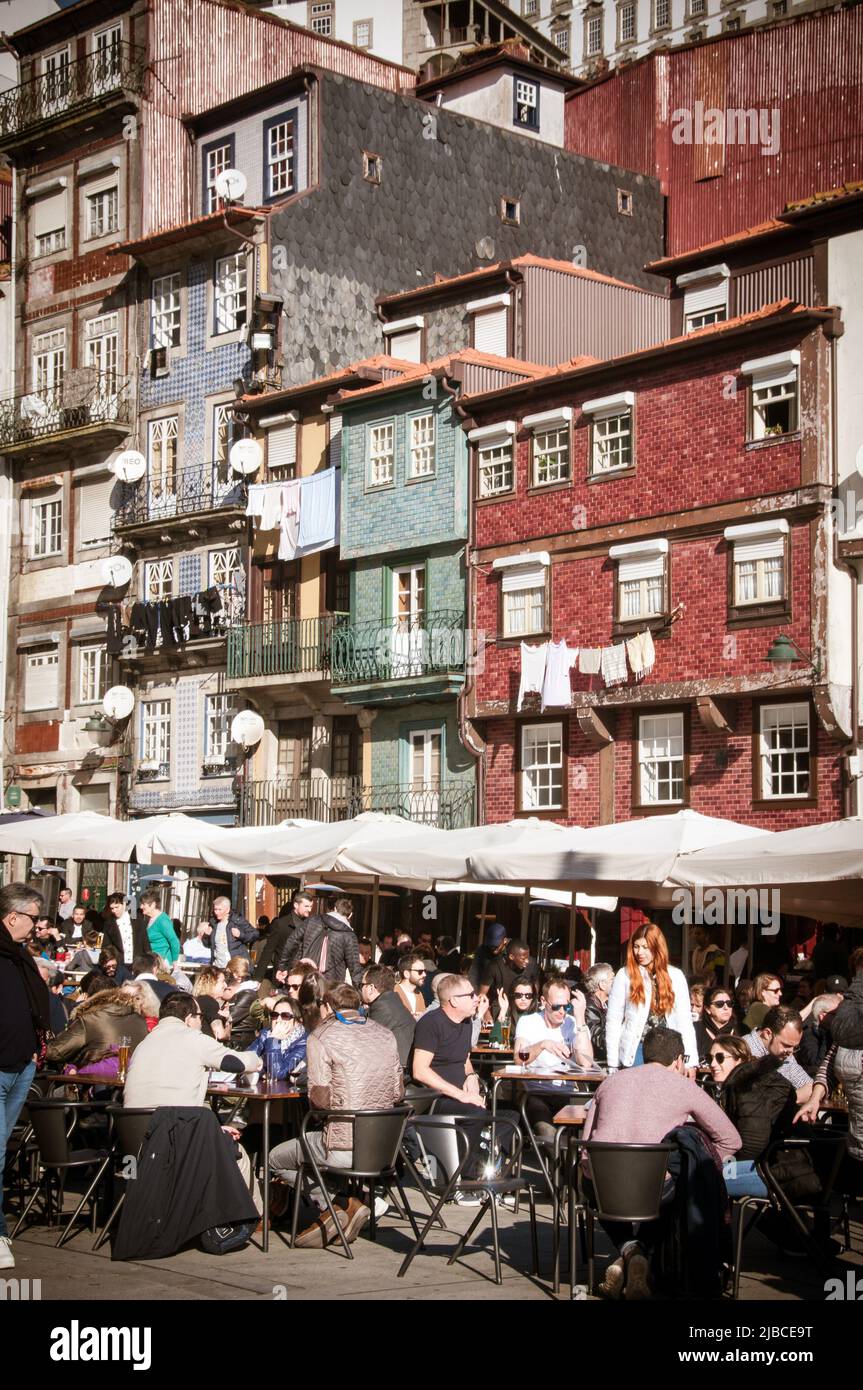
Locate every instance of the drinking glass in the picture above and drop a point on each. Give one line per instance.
(123, 1047)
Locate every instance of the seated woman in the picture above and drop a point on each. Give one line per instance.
(717, 1019)
(281, 1044)
(96, 1028)
(241, 992)
(211, 991)
(146, 1002)
(521, 998)
(760, 1103)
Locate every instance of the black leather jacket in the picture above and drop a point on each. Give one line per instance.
(343, 950)
(594, 1018)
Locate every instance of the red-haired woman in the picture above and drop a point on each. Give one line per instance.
(647, 993)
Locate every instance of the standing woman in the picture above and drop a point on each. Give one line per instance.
(647, 993)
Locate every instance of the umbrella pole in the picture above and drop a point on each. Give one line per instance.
(525, 913)
(726, 974)
(376, 900)
(573, 910)
(460, 924)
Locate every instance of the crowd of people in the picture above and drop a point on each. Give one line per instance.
(723, 1069)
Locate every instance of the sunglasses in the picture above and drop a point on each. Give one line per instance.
(419, 972)
(719, 1057)
(296, 986)
(283, 1015)
(472, 995)
(721, 1003)
(523, 994)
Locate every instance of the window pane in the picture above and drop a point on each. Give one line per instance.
(230, 295)
(785, 750)
(660, 756)
(495, 470)
(551, 457)
(542, 767)
(422, 446)
(612, 442)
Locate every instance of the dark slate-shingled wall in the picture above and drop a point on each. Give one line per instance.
(348, 241)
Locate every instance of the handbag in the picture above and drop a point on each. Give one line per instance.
(222, 1240)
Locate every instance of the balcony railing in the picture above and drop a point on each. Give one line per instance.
(294, 646)
(341, 798)
(83, 400)
(399, 649)
(168, 798)
(160, 496)
(64, 90)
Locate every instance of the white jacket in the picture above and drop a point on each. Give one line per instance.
(625, 1021)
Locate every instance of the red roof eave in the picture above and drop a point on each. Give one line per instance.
(183, 230)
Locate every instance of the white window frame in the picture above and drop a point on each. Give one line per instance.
(49, 243)
(642, 574)
(59, 73)
(523, 611)
(223, 564)
(526, 98)
(705, 296)
(158, 580)
(628, 8)
(662, 760)
(430, 744)
(612, 437)
(165, 311)
(163, 462)
(561, 37)
(766, 394)
(156, 733)
(46, 527)
(322, 17)
(103, 201)
(368, 42)
(49, 363)
(540, 789)
(102, 345)
(381, 454)
(759, 551)
(422, 444)
(92, 674)
(217, 160)
(218, 710)
(782, 762)
(665, 7)
(230, 293)
(33, 660)
(550, 452)
(593, 34)
(281, 154)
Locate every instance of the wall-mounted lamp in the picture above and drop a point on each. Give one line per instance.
(783, 653)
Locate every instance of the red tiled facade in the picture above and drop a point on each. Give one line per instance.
(694, 474)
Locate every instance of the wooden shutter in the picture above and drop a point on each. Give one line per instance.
(95, 511)
(334, 448)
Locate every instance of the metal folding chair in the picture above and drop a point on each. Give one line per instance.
(57, 1160)
(130, 1129)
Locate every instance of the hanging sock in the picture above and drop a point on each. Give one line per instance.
(532, 671)
(614, 670)
(556, 685)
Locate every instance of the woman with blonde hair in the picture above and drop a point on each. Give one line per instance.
(145, 1001)
(647, 993)
(211, 991)
(96, 1028)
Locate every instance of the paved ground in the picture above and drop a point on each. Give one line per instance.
(311, 1274)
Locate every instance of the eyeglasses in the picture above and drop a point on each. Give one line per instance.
(772, 989)
(294, 986)
(283, 1014)
(558, 1008)
(29, 915)
(472, 995)
(523, 994)
(419, 972)
(720, 1003)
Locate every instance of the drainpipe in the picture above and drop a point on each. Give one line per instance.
(468, 735)
(851, 790)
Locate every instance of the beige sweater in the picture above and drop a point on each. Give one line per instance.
(172, 1066)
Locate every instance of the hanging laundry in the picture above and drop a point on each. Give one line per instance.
(614, 670)
(556, 686)
(640, 651)
(590, 661)
(318, 511)
(648, 652)
(114, 642)
(532, 670)
(289, 519)
(265, 505)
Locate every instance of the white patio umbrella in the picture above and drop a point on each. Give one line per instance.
(444, 855)
(88, 835)
(313, 847)
(630, 858)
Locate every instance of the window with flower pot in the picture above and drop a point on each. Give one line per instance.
(774, 394)
(550, 446)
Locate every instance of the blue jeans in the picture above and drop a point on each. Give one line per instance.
(638, 1059)
(14, 1086)
(742, 1179)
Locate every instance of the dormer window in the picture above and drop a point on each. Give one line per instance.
(526, 104)
(705, 298)
(491, 323)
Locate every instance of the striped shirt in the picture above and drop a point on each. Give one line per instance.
(790, 1069)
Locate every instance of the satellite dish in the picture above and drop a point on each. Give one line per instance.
(231, 185)
(129, 466)
(485, 248)
(247, 728)
(119, 702)
(246, 456)
(117, 571)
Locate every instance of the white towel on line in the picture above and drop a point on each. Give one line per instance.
(614, 671)
(590, 661)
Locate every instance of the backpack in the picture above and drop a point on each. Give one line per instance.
(222, 1240)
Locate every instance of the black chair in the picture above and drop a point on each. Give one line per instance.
(57, 1159)
(22, 1152)
(377, 1142)
(628, 1185)
(445, 1140)
(130, 1129)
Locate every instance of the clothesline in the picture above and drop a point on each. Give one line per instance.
(304, 512)
(546, 667)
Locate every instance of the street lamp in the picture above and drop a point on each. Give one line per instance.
(784, 651)
(98, 724)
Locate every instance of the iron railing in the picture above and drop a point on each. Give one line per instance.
(293, 646)
(64, 90)
(170, 799)
(341, 798)
(398, 649)
(81, 401)
(158, 496)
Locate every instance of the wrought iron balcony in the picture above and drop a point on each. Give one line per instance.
(160, 496)
(369, 652)
(167, 798)
(84, 400)
(65, 91)
(294, 646)
(341, 798)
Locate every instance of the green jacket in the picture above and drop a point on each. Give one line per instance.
(163, 938)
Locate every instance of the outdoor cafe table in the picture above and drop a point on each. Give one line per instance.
(568, 1122)
(265, 1093)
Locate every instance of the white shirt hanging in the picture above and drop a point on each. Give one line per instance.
(556, 686)
(532, 670)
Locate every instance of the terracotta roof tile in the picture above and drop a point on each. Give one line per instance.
(782, 308)
(238, 211)
(379, 362)
(518, 262)
(831, 195)
(419, 370)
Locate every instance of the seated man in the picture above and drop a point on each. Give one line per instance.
(441, 1061)
(505, 967)
(597, 983)
(780, 1034)
(172, 1067)
(384, 1006)
(641, 1105)
(555, 1036)
(144, 967)
(352, 1063)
